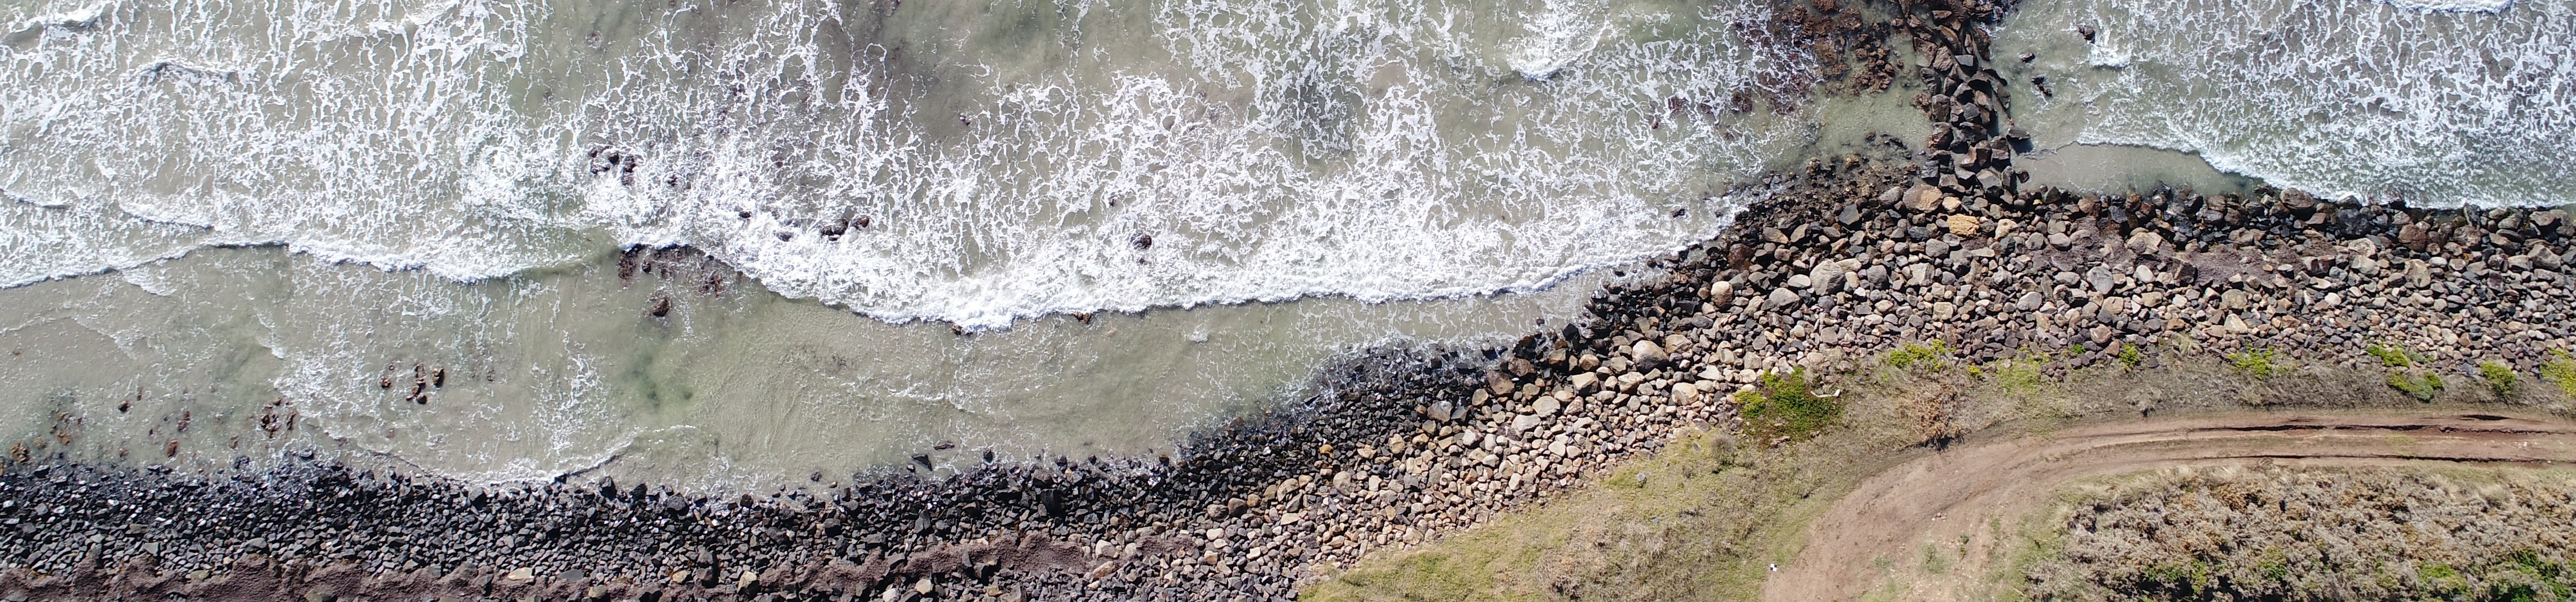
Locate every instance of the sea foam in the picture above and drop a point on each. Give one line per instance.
(1064, 157)
(2431, 104)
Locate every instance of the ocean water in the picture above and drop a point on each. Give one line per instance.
(2432, 102)
(227, 216)
(963, 162)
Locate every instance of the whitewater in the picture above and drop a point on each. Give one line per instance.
(2430, 103)
(968, 164)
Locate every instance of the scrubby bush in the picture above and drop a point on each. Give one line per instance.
(2560, 370)
(1785, 406)
(2424, 385)
(2318, 534)
(2391, 356)
(2500, 378)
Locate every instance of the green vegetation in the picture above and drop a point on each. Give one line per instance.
(1783, 405)
(2130, 356)
(1704, 516)
(2263, 362)
(2021, 375)
(1698, 520)
(2500, 378)
(2561, 371)
(1934, 356)
(2423, 384)
(2393, 356)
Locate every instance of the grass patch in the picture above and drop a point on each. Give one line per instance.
(1622, 537)
(2259, 362)
(2020, 376)
(1786, 406)
(1934, 355)
(2500, 378)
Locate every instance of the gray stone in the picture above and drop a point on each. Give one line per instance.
(1722, 293)
(1922, 198)
(2146, 241)
(1780, 297)
(1647, 354)
(2030, 300)
(2233, 299)
(1828, 276)
(2100, 279)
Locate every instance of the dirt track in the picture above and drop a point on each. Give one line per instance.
(1957, 496)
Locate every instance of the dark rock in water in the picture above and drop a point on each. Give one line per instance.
(2087, 31)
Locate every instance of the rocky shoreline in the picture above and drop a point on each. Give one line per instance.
(1401, 447)
(1846, 260)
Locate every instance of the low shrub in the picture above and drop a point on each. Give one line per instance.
(2423, 385)
(2500, 378)
(2391, 356)
(2560, 370)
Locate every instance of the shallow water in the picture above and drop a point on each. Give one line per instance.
(565, 370)
(2101, 168)
(2433, 103)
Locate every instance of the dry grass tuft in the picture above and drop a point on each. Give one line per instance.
(2277, 533)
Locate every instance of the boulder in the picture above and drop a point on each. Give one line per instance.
(1828, 276)
(1964, 224)
(1647, 354)
(1922, 198)
(1780, 298)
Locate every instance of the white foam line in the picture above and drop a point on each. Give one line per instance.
(1355, 148)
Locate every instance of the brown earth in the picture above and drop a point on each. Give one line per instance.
(1887, 537)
